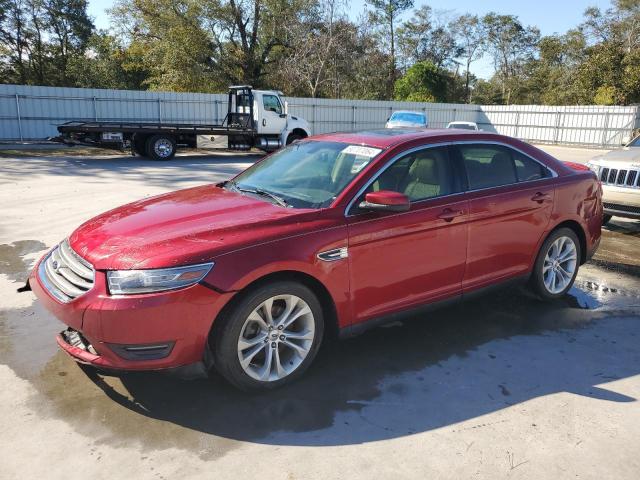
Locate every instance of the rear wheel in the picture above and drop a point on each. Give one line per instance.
(139, 145)
(557, 264)
(270, 338)
(160, 147)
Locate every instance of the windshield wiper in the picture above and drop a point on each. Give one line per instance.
(258, 191)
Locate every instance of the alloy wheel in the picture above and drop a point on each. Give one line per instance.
(276, 338)
(560, 265)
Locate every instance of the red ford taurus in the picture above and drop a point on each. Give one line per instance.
(331, 234)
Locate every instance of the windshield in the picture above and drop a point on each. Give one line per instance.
(462, 126)
(635, 142)
(307, 174)
(408, 117)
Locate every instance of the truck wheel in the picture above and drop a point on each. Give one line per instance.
(160, 147)
(139, 145)
(293, 137)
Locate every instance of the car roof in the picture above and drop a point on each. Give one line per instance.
(387, 137)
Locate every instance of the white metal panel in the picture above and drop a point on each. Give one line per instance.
(41, 109)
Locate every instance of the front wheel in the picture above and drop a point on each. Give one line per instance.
(270, 337)
(293, 137)
(557, 264)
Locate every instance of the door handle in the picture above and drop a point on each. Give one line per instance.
(448, 215)
(540, 197)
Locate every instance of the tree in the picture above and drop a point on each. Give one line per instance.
(386, 14)
(423, 82)
(427, 36)
(318, 45)
(69, 27)
(13, 34)
(511, 45)
(471, 37)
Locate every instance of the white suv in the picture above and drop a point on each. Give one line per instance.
(619, 172)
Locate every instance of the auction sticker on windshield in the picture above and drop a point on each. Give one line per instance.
(363, 156)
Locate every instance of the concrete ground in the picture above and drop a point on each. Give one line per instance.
(503, 387)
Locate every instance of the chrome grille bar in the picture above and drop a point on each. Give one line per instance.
(626, 178)
(65, 274)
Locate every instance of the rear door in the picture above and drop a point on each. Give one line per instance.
(402, 259)
(510, 203)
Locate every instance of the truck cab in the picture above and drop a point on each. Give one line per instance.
(265, 112)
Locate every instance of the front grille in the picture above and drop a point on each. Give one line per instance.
(65, 274)
(622, 208)
(620, 177)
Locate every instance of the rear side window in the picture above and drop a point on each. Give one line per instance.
(495, 165)
(528, 169)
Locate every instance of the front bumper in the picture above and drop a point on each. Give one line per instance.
(621, 201)
(121, 329)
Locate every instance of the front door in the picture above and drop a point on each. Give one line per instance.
(402, 259)
(273, 119)
(510, 203)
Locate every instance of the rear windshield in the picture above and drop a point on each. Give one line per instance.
(308, 174)
(463, 126)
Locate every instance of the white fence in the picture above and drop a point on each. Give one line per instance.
(32, 113)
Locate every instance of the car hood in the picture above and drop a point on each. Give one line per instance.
(627, 155)
(183, 227)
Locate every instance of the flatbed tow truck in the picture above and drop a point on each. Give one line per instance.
(255, 119)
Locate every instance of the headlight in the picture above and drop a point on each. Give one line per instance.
(593, 167)
(123, 282)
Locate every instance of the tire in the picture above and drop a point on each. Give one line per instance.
(160, 147)
(248, 321)
(560, 268)
(139, 145)
(606, 218)
(293, 137)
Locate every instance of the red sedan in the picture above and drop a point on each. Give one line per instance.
(331, 234)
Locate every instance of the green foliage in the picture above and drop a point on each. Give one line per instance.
(312, 48)
(423, 82)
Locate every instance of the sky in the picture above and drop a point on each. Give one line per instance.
(550, 16)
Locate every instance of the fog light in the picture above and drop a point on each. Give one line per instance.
(151, 351)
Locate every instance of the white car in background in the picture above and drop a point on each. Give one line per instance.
(619, 173)
(463, 125)
(407, 119)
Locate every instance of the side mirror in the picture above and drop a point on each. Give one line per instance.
(386, 201)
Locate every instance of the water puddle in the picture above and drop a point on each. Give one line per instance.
(13, 263)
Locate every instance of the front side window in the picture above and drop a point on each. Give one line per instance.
(271, 103)
(307, 174)
(419, 175)
(495, 165)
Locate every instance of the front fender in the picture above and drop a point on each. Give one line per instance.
(235, 271)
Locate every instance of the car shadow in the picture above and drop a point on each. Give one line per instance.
(435, 371)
